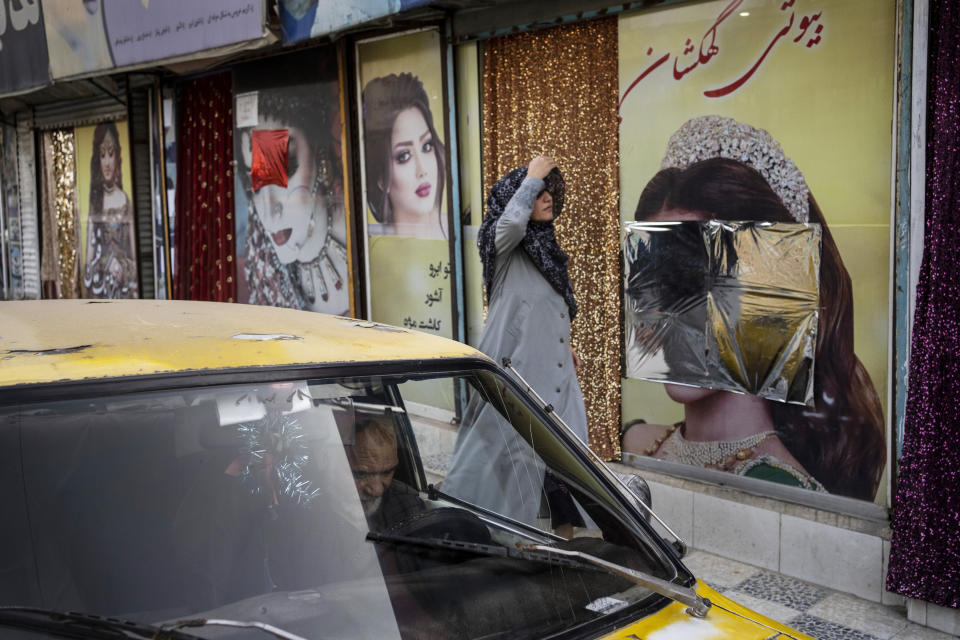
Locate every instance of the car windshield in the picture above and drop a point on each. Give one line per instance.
(315, 505)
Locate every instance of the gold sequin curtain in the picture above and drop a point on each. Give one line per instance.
(205, 245)
(554, 92)
(60, 264)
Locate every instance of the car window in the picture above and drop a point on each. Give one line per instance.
(315, 505)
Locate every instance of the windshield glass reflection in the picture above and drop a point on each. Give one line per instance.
(254, 502)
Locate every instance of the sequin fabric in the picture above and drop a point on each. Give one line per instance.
(925, 547)
(66, 205)
(555, 91)
(60, 260)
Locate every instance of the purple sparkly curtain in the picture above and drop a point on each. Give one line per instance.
(925, 552)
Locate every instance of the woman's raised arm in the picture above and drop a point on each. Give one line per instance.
(512, 225)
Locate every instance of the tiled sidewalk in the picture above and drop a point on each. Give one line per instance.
(819, 612)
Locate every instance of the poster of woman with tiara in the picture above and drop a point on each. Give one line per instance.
(765, 116)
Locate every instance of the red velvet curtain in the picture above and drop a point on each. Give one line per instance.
(204, 243)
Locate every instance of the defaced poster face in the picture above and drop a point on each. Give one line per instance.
(761, 113)
(409, 265)
(293, 244)
(108, 250)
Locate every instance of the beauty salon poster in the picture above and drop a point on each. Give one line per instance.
(108, 254)
(405, 183)
(819, 77)
(294, 247)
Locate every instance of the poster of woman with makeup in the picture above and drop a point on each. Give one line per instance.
(405, 183)
(109, 251)
(292, 239)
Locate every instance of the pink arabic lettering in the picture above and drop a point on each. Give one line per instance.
(736, 84)
(805, 24)
(810, 29)
(707, 50)
(656, 63)
(708, 44)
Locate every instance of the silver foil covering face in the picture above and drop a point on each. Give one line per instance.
(723, 305)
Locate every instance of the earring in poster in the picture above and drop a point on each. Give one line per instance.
(310, 274)
(331, 271)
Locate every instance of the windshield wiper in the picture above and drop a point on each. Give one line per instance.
(433, 493)
(253, 624)
(480, 549)
(70, 624)
(698, 606)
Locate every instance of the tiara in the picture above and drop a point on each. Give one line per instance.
(718, 137)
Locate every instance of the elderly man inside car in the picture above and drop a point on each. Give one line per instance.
(373, 460)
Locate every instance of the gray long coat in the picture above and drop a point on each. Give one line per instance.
(528, 322)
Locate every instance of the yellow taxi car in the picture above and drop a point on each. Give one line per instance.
(188, 469)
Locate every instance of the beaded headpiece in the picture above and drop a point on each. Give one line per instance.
(718, 137)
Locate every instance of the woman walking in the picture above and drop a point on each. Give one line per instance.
(530, 306)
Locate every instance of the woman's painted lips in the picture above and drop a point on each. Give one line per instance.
(280, 237)
(424, 190)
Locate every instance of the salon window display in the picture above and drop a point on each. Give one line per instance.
(410, 255)
(719, 169)
(110, 264)
(293, 241)
(404, 158)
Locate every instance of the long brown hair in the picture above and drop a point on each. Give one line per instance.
(840, 440)
(384, 98)
(96, 172)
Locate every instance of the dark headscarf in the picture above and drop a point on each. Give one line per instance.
(539, 242)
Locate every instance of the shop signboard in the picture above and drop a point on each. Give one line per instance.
(76, 37)
(802, 94)
(147, 31)
(100, 35)
(303, 19)
(23, 47)
(411, 275)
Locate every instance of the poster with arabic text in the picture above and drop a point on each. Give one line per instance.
(404, 182)
(802, 91)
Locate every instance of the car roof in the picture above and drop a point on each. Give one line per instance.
(43, 341)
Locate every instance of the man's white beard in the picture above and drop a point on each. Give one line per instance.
(370, 508)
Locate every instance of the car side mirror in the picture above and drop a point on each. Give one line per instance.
(639, 487)
(640, 490)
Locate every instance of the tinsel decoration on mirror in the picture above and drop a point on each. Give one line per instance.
(554, 92)
(274, 457)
